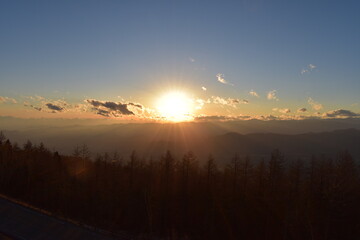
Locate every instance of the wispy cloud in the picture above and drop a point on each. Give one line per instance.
(253, 93)
(35, 107)
(303, 71)
(199, 103)
(272, 95)
(221, 118)
(282, 110)
(7, 100)
(315, 105)
(312, 66)
(226, 118)
(308, 68)
(203, 88)
(221, 78)
(46, 105)
(339, 113)
(39, 98)
(228, 101)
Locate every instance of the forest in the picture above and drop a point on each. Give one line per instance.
(189, 198)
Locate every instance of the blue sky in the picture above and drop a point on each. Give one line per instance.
(76, 50)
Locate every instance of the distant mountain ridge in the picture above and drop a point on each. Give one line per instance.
(328, 143)
(222, 139)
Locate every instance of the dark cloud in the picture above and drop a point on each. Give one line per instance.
(54, 107)
(302, 110)
(34, 107)
(49, 106)
(106, 108)
(136, 105)
(103, 112)
(267, 117)
(341, 113)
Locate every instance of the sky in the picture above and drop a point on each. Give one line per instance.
(215, 60)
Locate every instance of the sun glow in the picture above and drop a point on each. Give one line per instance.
(176, 106)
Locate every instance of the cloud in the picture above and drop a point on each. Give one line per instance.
(26, 104)
(304, 71)
(221, 118)
(332, 114)
(315, 105)
(7, 100)
(80, 107)
(255, 117)
(135, 105)
(39, 98)
(54, 107)
(229, 101)
(107, 108)
(36, 108)
(219, 100)
(212, 118)
(308, 69)
(204, 88)
(221, 78)
(272, 95)
(199, 103)
(302, 110)
(104, 113)
(191, 59)
(50, 106)
(282, 110)
(312, 66)
(340, 113)
(253, 93)
(266, 117)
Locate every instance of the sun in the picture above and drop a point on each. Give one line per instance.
(175, 106)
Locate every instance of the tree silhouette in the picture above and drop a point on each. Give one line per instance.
(187, 198)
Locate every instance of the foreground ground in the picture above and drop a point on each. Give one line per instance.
(18, 222)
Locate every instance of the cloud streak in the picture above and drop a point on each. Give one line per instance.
(315, 105)
(228, 101)
(282, 110)
(221, 79)
(50, 106)
(309, 68)
(7, 100)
